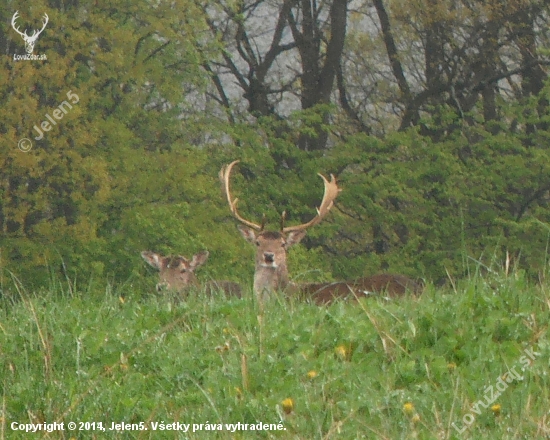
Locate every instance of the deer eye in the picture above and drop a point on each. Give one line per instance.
(257, 243)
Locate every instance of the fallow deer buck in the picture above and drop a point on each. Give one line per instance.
(178, 274)
(271, 271)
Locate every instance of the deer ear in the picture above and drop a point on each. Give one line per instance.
(295, 237)
(247, 233)
(155, 260)
(198, 259)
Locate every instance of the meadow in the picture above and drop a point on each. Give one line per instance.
(469, 361)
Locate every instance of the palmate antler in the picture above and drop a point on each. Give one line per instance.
(330, 194)
(224, 179)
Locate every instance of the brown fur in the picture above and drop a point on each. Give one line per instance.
(178, 274)
(389, 284)
(271, 272)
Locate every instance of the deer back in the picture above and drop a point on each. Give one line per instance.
(392, 285)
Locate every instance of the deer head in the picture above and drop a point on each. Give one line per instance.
(271, 272)
(29, 40)
(176, 273)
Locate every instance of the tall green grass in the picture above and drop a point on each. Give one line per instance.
(377, 369)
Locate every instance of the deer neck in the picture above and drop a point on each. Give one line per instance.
(268, 279)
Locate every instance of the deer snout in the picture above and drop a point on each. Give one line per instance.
(269, 257)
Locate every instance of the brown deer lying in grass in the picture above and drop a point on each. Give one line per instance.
(391, 285)
(271, 271)
(178, 274)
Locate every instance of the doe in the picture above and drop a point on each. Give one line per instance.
(177, 273)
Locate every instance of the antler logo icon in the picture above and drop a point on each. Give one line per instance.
(29, 40)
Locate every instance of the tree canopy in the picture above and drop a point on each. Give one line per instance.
(433, 116)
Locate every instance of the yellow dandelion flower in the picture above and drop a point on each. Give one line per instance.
(288, 405)
(496, 409)
(408, 408)
(341, 351)
(415, 418)
(312, 374)
(451, 366)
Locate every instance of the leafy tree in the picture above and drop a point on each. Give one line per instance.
(130, 69)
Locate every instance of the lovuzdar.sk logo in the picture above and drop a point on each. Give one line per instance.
(29, 40)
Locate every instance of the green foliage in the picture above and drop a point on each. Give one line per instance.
(133, 165)
(417, 206)
(121, 70)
